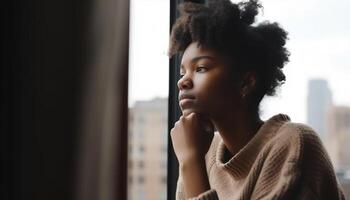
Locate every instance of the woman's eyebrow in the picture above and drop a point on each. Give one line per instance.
(196, 59)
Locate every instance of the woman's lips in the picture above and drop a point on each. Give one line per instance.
(186, 102)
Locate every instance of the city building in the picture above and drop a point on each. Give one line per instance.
(148, 150)
(338, 139)
(337, 143)
(319, 99)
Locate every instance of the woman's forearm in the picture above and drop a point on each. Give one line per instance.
(195, 177)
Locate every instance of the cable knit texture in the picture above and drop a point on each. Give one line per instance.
(283, 160)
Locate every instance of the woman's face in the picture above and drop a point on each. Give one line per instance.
(206, 85)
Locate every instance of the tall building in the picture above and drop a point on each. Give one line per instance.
(338, 140)
(148, 150)
(319, 100)
(337, 144)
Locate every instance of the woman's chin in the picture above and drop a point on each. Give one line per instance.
(186, 112)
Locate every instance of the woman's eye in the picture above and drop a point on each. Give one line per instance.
(201, 69)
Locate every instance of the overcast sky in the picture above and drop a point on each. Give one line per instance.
(319, 44)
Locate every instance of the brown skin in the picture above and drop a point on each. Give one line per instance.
(215, 99)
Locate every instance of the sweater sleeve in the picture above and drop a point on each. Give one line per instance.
(207, 195)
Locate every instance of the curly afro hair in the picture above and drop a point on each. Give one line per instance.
(229, 28)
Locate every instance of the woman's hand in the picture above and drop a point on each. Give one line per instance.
(191, 137)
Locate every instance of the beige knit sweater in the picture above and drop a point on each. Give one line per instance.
(284, 160)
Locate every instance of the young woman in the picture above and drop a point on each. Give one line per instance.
(228, 65)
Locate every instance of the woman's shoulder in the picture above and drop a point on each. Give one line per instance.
(307, 157)
(300, 141)
(298, 134)
(298, 149)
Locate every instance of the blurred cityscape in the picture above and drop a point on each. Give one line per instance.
(148, 140)
(332, 123)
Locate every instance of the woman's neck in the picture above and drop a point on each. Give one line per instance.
(237, 128)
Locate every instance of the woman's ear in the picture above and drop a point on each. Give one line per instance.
(248, 84)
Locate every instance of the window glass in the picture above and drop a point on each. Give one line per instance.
(148, 103)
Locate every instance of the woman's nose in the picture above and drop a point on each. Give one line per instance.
(184, 83)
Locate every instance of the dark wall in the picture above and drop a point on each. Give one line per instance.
(44, 53)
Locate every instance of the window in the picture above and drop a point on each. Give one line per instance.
(148, 98)
(141, 164)
(141, 179)
(141, 149)
(313, 92)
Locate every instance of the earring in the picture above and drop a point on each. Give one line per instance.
(244, 92)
